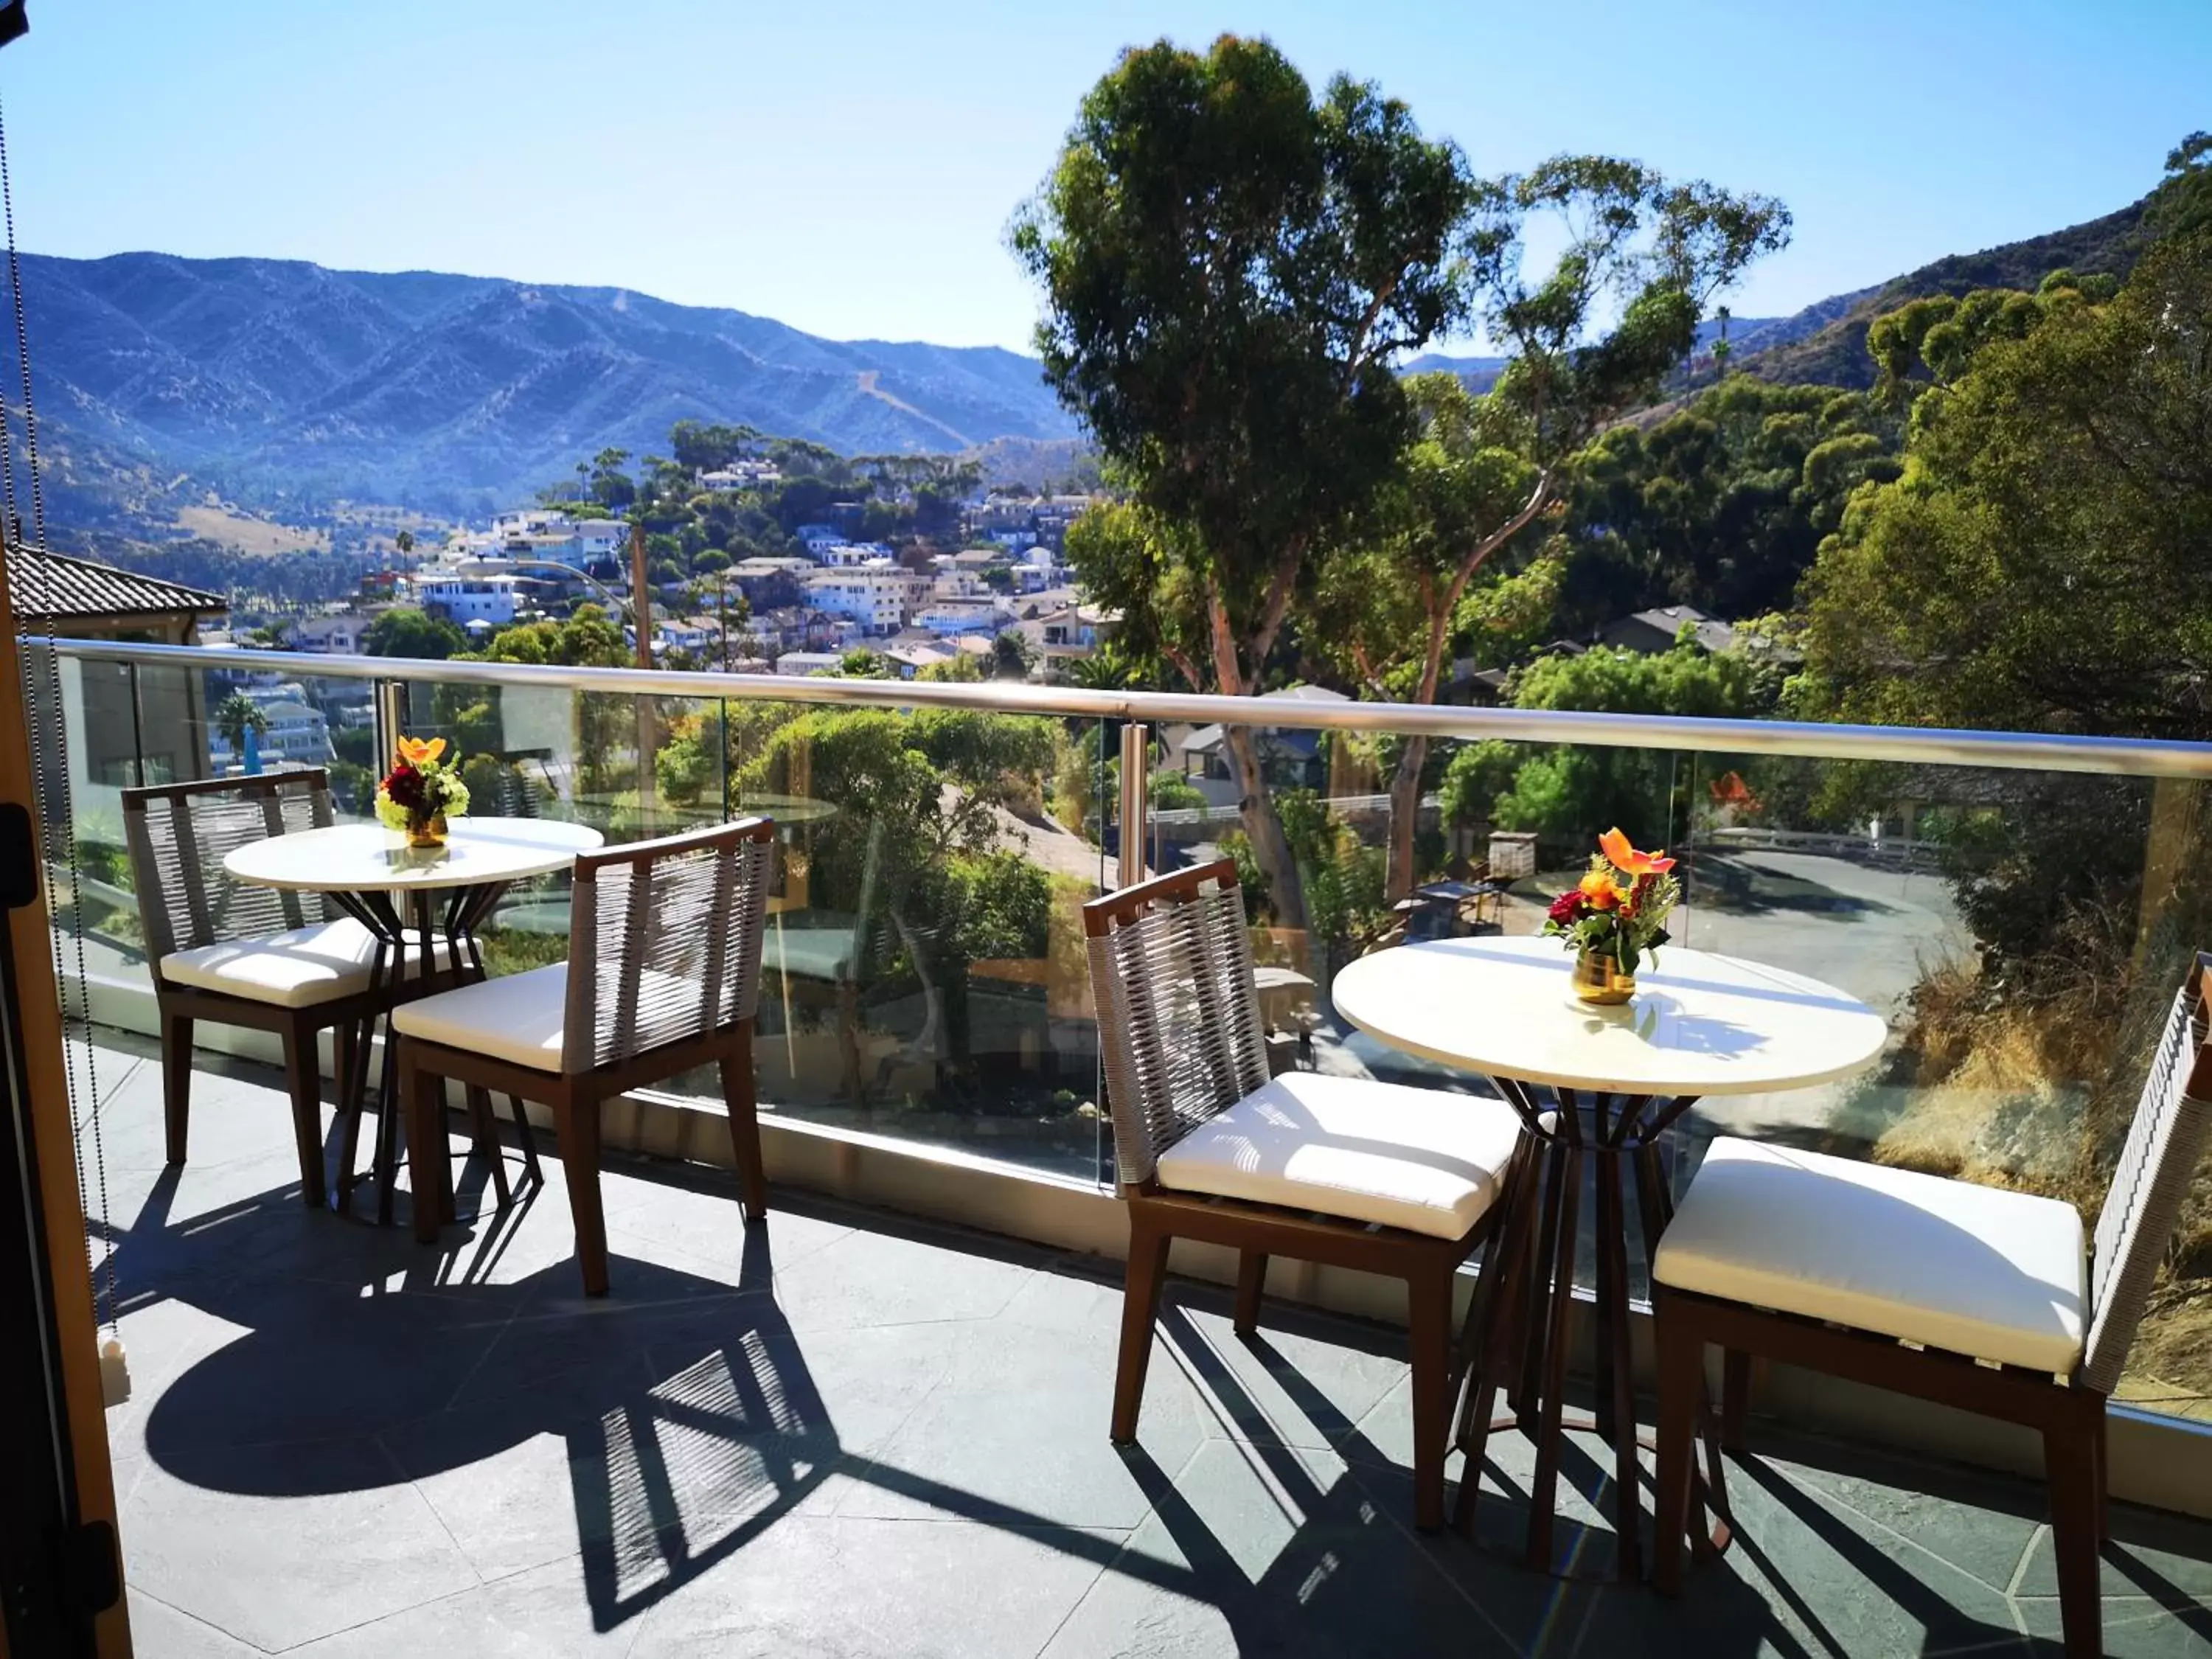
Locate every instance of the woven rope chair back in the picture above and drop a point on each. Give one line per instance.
(2150, 1185)
(1178, 1018)
(665, 941)
(178, 835)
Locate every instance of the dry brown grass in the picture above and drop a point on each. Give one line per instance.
(250, 535)
(2037, 1092)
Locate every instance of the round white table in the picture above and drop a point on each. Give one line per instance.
(1596, 1089)
(438, 895)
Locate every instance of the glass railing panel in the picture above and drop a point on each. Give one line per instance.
(924, 966)
(924, 974)
(2023, 932)
(93, 708)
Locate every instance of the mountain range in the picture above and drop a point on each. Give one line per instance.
(268, 376)
(283, 384)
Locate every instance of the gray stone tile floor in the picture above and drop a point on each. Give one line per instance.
(850, 1433)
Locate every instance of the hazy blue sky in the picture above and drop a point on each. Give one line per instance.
(849, 168)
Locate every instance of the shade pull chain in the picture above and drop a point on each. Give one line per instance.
(49, 735)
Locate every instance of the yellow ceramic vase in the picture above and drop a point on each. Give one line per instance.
(1598, 978)
(427, 832)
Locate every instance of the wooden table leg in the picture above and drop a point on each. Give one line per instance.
(1616, 1390)
(1544, 1486)
(1519, 1322)
(1495, 1318)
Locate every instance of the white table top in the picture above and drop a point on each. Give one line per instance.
(367, 858)
(1700, 1024)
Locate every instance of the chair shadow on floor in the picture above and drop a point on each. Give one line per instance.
(1879, 1570)
(691, 1424)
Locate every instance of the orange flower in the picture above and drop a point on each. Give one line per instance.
(1625, 859)
(421, 751)
(1600, 892)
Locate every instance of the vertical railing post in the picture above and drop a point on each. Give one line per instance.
(1136, 799)
(137, 732)
(391, 721)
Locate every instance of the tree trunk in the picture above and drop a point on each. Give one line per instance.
(1399, 873)
(1255, 805)
(1264, 828)
(926, 1044)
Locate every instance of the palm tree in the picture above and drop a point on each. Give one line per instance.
(235, 716)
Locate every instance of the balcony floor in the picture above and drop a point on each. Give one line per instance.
(851, 1434)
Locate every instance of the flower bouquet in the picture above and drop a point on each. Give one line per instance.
(421, 792)
(1614, 917)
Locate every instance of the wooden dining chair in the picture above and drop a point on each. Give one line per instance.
(231, 953)
(1838, 1266)
(663, 974)
(1342, 1170)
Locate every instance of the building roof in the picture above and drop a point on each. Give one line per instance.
(1291, 740)
(1664, 624)
(53, 585)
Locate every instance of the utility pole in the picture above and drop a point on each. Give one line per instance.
(640, 605)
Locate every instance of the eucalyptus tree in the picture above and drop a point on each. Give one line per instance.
(1231, 267)
(1590, 335)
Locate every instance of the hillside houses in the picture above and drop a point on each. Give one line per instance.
(546, 534)
(818, 587)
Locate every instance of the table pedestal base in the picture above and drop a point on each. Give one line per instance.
(464, 908)
(1518, 1331)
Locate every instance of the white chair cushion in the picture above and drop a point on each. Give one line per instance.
(292, 969)
(1353, 1148)
(518, 1018)
(1946, 1264)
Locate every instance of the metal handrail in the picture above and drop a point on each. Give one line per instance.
(1926, 746)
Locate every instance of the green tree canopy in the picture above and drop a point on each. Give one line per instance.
(1722, 505)
(1568, 794)
(404, 631)
(917, 837)
(1591, 337)
(2040, 564)
(1230, 264)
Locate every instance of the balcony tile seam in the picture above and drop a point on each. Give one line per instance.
(392, 1458)
(1391, 1507)
(140, 1592)
(1831, 1501)
(1152, 1511)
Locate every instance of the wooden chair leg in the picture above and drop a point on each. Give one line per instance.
(1251, 1284)
(1735, 1397)
(342, 1036)
(2104, 1477)
(176, 1080)
(485, 1129)
(303, 1082)
(1140, 1306)
(1429, 1297)
(421, 1099)
(1682, 1380)
(2069, 1456)
(744, 1130)
(576, 1131)
(527, 1138)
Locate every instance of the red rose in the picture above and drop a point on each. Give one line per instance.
(1566, 908)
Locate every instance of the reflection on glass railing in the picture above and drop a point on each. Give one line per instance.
(2021, 930)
